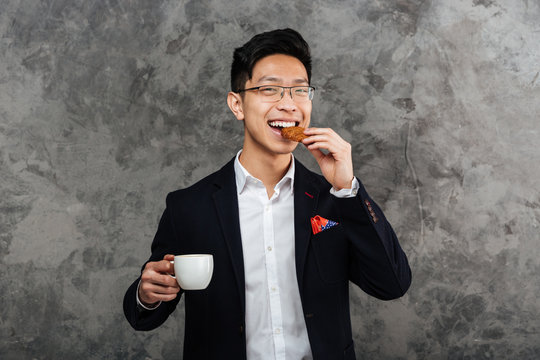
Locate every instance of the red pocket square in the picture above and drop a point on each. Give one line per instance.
(319, 224)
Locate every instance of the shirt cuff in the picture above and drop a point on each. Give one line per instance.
(347, 193)
(139, 303)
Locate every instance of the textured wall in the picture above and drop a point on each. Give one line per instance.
(105, 106)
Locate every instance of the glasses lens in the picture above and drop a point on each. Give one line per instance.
(302, 93)
(270, 93)
(275, 93)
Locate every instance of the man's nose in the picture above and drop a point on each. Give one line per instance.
(289, 90)
(287, 102)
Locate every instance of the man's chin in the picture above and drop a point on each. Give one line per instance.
(287, 148)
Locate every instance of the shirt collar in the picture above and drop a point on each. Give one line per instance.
(242, 175)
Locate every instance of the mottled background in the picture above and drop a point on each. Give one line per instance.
(105, 106)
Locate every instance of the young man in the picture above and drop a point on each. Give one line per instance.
(285, 240)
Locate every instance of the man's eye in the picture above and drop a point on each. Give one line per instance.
(269, 91)
(301, 91)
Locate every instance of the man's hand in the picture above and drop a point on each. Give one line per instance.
(156, 283)
(336, 166)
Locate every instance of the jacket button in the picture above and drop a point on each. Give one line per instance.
(310, 315)
(241, 329)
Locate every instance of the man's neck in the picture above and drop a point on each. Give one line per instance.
(269, 168)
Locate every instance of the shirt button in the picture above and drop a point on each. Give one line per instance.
(269, 248)
(273, 288)
(278, 331)
(355, 191)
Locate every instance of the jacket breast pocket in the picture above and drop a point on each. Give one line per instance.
(331, 254)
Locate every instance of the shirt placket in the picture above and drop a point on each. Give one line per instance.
(272, 279)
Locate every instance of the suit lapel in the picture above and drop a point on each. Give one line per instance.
(226, 203)
(306, 196)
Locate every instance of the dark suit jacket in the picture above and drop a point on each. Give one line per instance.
(204, 219)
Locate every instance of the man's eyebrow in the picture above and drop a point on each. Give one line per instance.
(279, 80)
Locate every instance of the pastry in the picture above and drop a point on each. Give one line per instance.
(294, 133)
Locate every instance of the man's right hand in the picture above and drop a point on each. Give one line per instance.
(156, 283)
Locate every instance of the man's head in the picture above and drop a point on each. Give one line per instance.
(283, 41)
(270, 77)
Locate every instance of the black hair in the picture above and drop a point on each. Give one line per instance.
(282, 41)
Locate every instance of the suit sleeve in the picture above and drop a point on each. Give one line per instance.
(164, 243)
(377, 264)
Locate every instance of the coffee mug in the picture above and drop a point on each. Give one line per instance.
(193, 271)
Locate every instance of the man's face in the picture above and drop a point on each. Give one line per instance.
(262, 120)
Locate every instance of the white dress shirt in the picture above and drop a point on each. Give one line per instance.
(275, 326)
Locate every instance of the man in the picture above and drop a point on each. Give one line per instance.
(285, 241)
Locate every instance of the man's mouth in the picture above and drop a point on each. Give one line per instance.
(283, 124)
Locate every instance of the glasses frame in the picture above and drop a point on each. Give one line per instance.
(311, 91)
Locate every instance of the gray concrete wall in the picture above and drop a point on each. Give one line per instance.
(105, 106)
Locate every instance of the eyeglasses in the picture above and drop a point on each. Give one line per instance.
(274, 93)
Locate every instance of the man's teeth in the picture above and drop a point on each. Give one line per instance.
(282, 124)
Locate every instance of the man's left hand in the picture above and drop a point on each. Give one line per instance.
(336, 166)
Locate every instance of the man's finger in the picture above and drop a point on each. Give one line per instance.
(314, 138)
(150, 288)
(317, 154)
(323, 145)
(162, 266)
(152, 298)
(158, 278)
(316, 131)
(168, 257)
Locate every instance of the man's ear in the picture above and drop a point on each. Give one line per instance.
(234, 100)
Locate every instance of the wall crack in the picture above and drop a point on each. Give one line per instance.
(416, 185)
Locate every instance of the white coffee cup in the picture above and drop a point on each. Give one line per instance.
(193, 271)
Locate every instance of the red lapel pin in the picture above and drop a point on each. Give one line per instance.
(308, 194)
